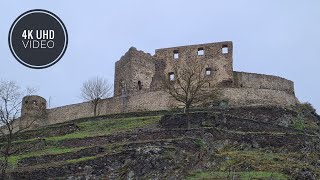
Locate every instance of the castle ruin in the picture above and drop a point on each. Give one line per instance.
(138, 78)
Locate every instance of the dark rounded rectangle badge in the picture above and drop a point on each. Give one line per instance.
(38, 39)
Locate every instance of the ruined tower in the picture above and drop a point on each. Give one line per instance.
(33, 112)
(133, 72)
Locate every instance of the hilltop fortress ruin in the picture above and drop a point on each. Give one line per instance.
(137, 85)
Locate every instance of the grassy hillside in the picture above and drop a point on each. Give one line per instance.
(233, 144)
(84, 130)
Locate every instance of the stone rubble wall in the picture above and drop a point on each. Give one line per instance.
(160, 100)
(262, 81)
(146, 101)
(137, 84)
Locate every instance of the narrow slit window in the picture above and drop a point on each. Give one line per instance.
(171, 76)
(208, 71)
(139, 85)
(175, 54)
(200, 52)
(225, 49)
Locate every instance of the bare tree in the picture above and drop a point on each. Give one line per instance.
(94, 90)
(189, 83)
(10, 109)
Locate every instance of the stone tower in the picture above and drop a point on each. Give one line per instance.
(33, 112)
(133, 72)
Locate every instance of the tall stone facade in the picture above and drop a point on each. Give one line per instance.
(217, 55)
(138, 77)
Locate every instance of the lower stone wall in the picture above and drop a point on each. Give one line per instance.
(262, 81)
(65, 113)
(109, 106)
(147, 101)
(160, 100)
(150, 101)
(252, 96)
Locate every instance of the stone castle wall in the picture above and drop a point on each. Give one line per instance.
(262, 81)
(160, 100)
(136, 102)
(219, 61)
(138, 77)
(255, 96)
(81, 110)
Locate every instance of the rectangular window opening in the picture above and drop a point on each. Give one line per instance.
(139, 85)
(200, 52)
(171, 76)
(208, 71)
(175, 54)
(225, 49)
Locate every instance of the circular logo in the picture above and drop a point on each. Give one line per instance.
(38, 39)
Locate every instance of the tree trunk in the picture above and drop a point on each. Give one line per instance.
(6, 157)
(187, 111)
(95, 109)
(187, 108)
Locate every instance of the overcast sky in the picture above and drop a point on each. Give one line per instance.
(274, 37)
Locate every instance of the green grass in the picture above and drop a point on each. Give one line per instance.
(105, 127)
(87, 129)
(238, 175)
(299, 123)
(200, 142)
(102, 127)
(80, 159)
(261, 161)
(14, 159)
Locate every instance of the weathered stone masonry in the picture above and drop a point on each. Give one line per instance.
(138, 77)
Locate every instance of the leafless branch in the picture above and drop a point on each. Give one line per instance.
(94, 90)
(10, 109)
(191, 85)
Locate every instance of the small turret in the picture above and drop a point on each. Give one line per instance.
(33, 112)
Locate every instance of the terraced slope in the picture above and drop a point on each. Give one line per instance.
(242, 143)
